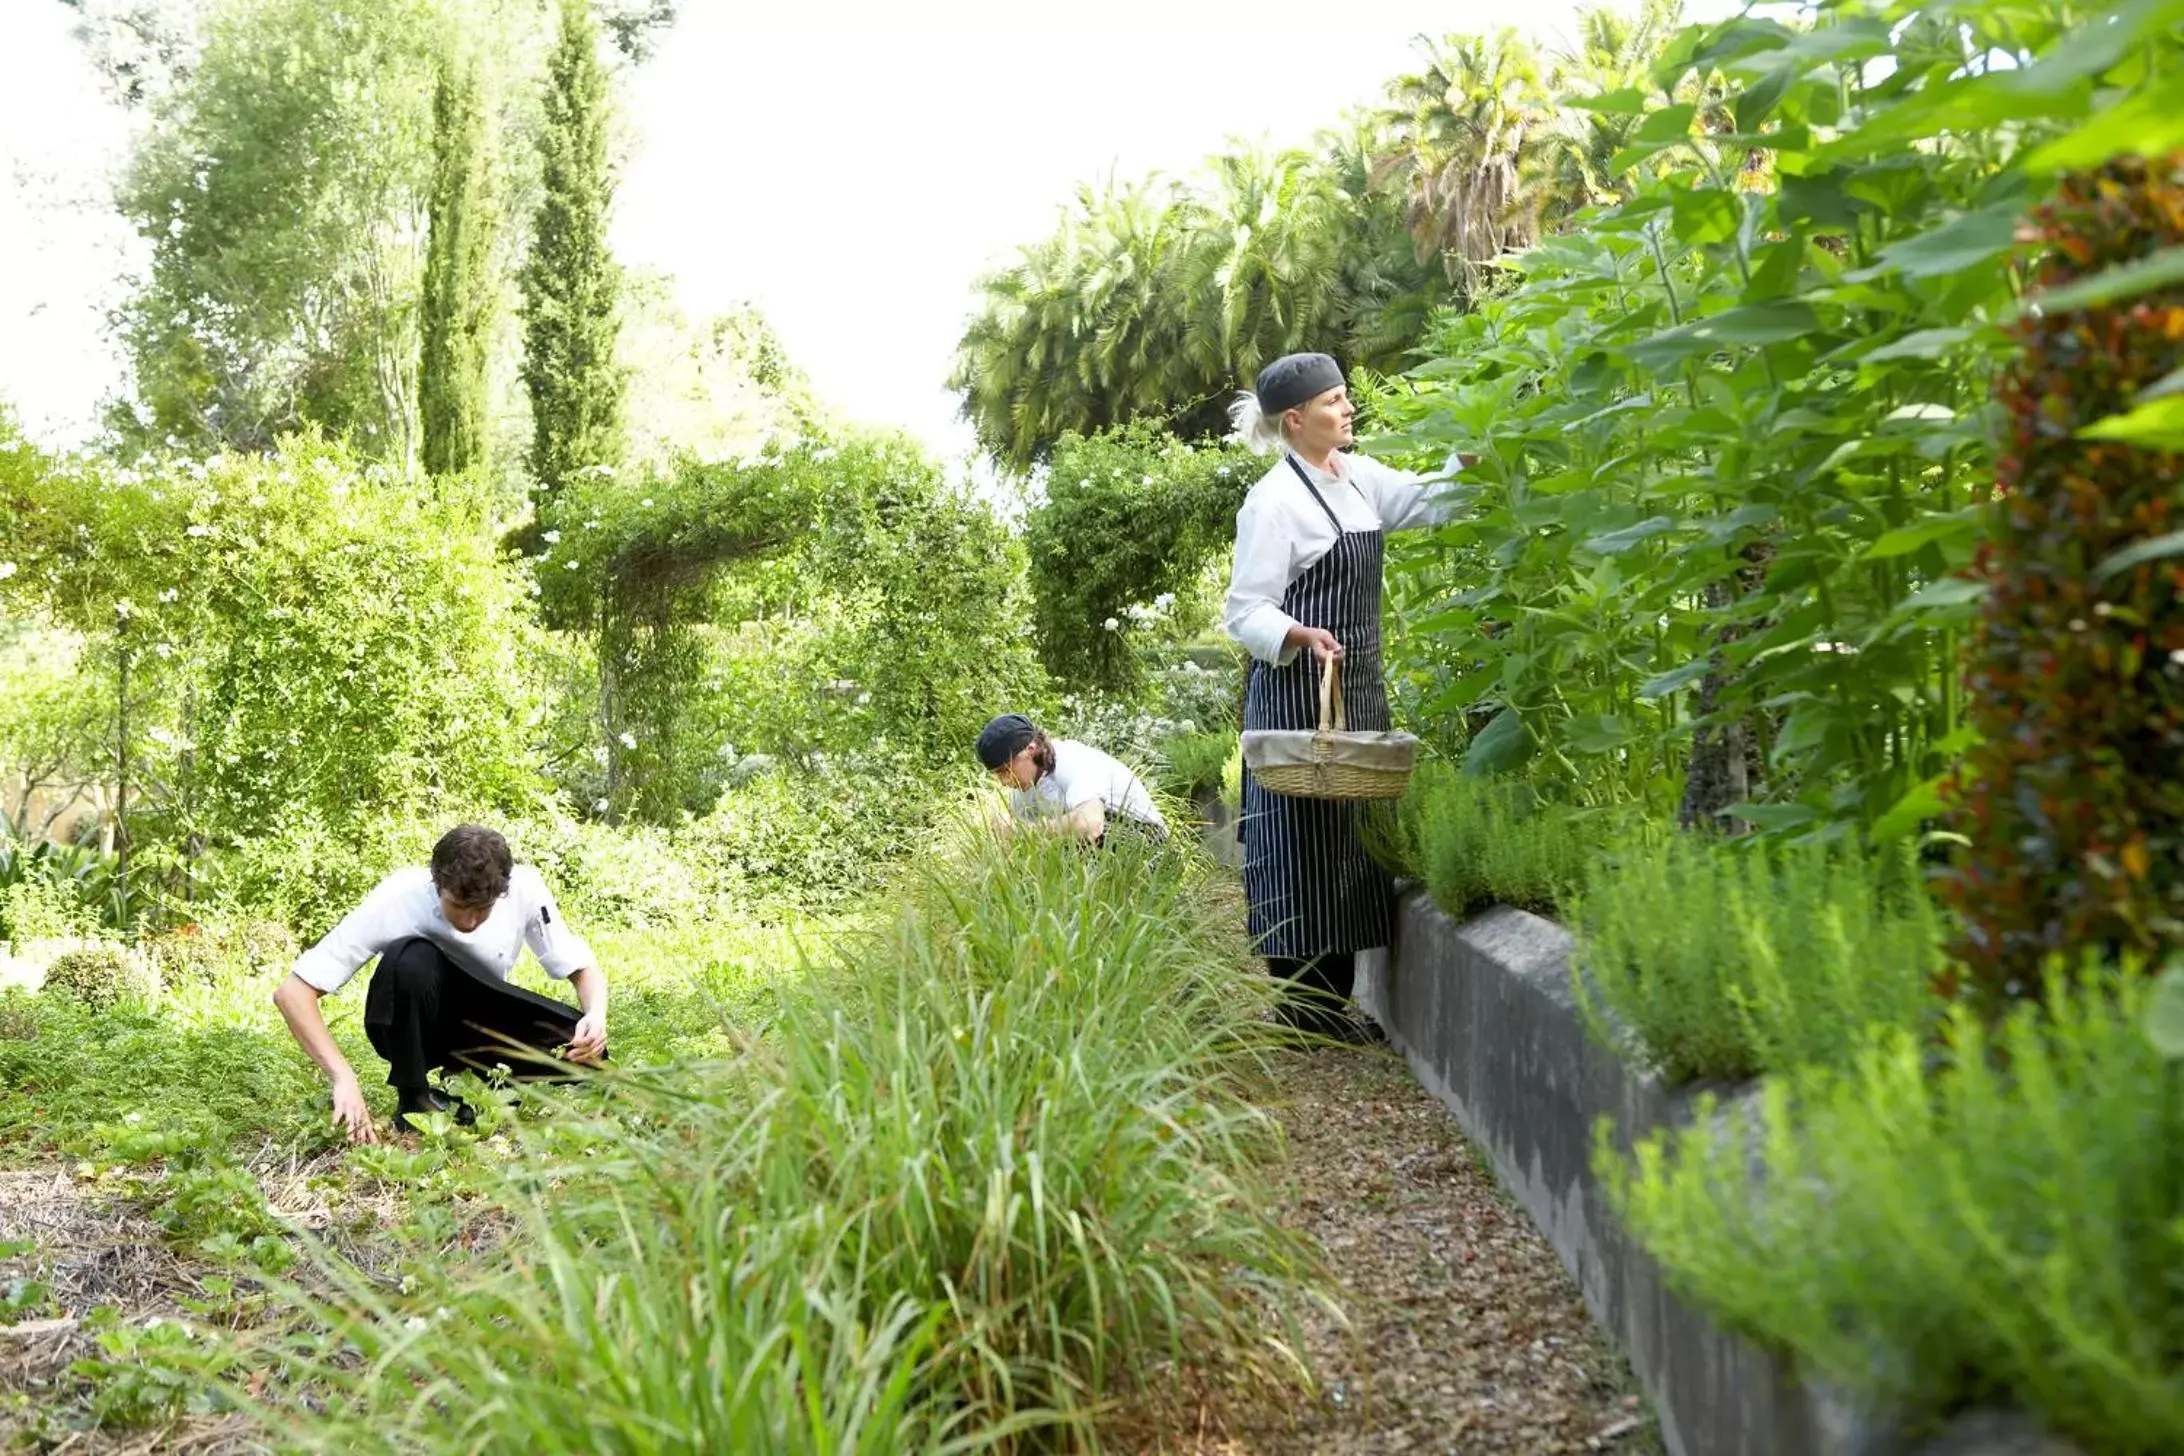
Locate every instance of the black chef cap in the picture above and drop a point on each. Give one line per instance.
(1295, 379)
(1004, 738)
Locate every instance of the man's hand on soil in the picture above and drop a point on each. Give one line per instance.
(350, 1113)
(589, 1040)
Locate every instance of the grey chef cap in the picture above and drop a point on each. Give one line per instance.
(1004, 738)
(1295, 379)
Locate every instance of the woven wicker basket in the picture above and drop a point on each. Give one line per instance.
(1330, 762)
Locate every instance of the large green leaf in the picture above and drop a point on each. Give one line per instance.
(1968, 241)
(1904, 540)
(1921, 803)
(1674, 680)
(1614, 543)
(1500, 746)
(1749, 325)
(2150, 124)
(1706, 215)
(2114, 285)
(1597, 732)
(1669, 124)
(2156, 548)
(1920, 344)
(2158, 425)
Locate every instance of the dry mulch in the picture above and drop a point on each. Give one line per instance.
(1466, 1337)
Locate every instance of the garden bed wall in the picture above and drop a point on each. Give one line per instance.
(1485, 1014)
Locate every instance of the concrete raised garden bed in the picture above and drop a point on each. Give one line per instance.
(1485, 1014)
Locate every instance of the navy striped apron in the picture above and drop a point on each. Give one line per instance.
(1313, 889)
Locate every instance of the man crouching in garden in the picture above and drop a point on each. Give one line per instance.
(446, 938)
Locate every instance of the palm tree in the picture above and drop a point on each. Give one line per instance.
(1614, 50)
(1467, 134)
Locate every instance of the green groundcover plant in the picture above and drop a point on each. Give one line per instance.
(1722, 960)
(984, 1175)
(2000, 1225)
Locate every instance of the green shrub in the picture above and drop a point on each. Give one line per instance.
(1726, 959)
(2004, 1226)
(1479, 842)
(986, 1176)
(1196, 763)
(35, 909)
(101, 977)
(815, 840)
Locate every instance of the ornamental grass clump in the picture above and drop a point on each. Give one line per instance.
(2002, 1227)
(981, 1178)
(1724, 960)
(2071, 805)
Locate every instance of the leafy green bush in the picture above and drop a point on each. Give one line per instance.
(987, 1176)
(1478, 842)
(816, 840)
(1725, 959)
(198, 951)
(2072, 813)
(1130, 517)
(101, 977)
(2004, 1224)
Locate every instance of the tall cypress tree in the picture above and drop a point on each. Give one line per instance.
(459, 285)
(570, 281)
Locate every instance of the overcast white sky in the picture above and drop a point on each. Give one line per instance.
(850, 167)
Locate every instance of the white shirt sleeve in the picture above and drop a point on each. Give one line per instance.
(559, 949)
(1405, 501)
(376, 923)
(1264, 558)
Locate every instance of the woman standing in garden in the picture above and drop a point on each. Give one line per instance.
(1309, 542)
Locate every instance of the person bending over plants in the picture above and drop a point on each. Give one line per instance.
(446, 937)
(1065, 786)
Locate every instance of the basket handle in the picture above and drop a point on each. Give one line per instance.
(1332, 718)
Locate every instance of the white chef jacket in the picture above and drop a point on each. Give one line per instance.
(407, 904)
(1281, 531)
(1081, 775)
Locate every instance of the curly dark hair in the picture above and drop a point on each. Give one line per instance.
(471, 864)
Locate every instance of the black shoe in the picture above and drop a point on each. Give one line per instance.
(430, 1099)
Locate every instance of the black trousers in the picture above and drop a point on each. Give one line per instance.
(1318, 998)
(426, 1011)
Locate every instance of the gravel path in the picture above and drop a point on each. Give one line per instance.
(1466, 1336)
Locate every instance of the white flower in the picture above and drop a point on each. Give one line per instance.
(1145, 480)
(629, 740)
(570, 565)
(647, 501)
(1164, 601)
(591, 525)
(124, 608)
(414, 1323)
(1086, 481)
(7, 569)
(599, 806)
(1111, 624)
(863, 698)
(199, 530)
(552, 538)
(169, 594)
(163, 649)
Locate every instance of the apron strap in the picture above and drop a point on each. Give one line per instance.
(1308, 485)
